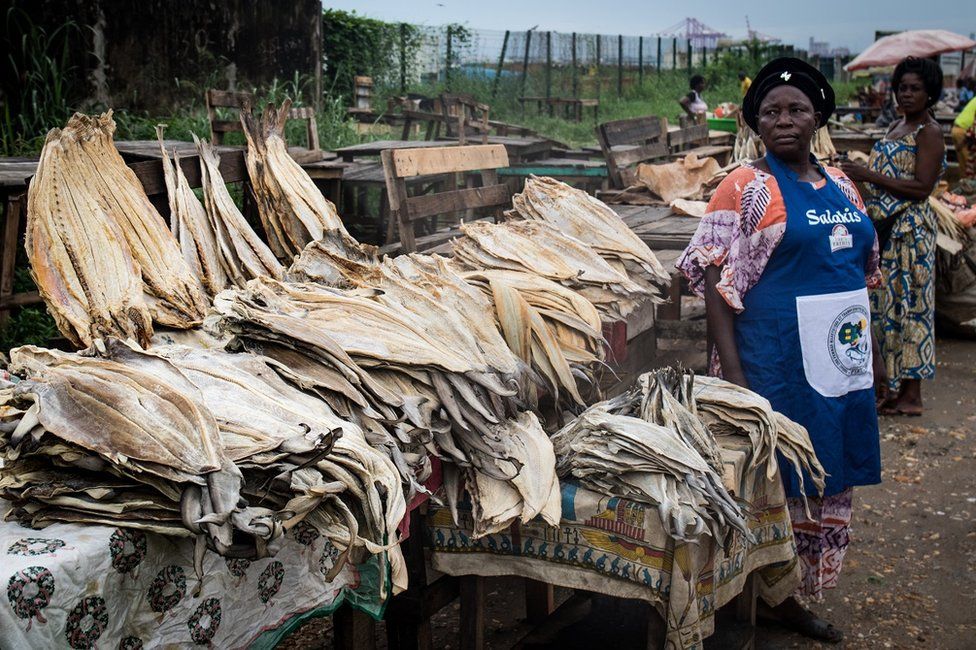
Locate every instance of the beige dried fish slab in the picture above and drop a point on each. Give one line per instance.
(244, 255)
(83, 268)
(120, 413)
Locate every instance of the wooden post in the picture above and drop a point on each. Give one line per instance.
(403, 58)
(620, 65)
(472, 612)
(501, 64)
(598, 39)
(575, 68)
(447, 73)
(549, 67)
(539, 601)
(353, 630)
(525, 64)
(659, 55)
(640, 60)
(674, 53)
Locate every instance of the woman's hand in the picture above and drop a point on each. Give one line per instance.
(855, 172)
(881, 392)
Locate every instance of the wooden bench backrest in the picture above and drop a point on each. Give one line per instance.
(465, 117)
(625, 143)
(693, 133)
(401, 164)
(236, 100)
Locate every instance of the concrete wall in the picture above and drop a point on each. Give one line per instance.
(156, 54)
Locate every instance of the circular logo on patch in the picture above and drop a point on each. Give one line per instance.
(848, 340)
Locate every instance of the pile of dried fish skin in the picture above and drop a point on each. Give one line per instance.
(666, 397)
(190, 225)
(630, 457)
(82, 188)
(108, 421)
(243, 255)
(547, 325)
(534, 491)
(584, 217)
(293, 211)
(538, 248)
(730, 409)
(370, 359)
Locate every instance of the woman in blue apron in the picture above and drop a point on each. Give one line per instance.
(783, 257)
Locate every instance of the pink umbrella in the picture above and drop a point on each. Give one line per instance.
(919, 42)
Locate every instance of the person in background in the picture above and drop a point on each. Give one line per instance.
(744, 82)
(964, 139)
(903, 169)
(692, 103)
(784, 257)
(964, 91)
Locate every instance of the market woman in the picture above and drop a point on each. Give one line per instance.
(901, 174)
(784, 257)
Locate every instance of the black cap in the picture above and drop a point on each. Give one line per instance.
(788, 71)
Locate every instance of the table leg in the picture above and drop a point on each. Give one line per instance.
(540, 601)
(408, 627)
(353, 630)
(472, 613)
(11, 244)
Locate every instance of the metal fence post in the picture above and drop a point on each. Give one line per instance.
(403, 58)
(659, 55)
(674, 53)
(501, 64)
(640, 60)
(548, 65)
(575, 67)
(598, 39)
(689, 56)
(525, 64)
(447, 72)
(620, 65)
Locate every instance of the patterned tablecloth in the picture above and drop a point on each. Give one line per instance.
(617, 547)
(96, 586)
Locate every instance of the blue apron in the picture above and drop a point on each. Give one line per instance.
(804, 337)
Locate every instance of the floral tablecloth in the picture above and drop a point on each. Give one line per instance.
(618, 547)
(74, 586)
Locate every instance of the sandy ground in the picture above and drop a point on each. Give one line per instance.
(909, 580)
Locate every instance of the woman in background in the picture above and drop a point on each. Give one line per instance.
(903, 169)
(692, 103)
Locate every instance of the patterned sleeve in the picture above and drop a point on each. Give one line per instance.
(872, 268)
(715, 243)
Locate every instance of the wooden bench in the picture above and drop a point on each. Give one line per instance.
(626, 143)
(401, 165)
(464, 118)
(235, 101)
(692, 136)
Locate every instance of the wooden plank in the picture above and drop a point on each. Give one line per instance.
(692, 134)
(21, 299)
(428, 205)
(226, 126)
(228, 99)
(418, 162)
(633, 130)
(150, 173)
(11, 245)
(472, 627)
(642, 153)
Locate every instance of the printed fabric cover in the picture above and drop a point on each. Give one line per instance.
(618, 547)
(80, 586)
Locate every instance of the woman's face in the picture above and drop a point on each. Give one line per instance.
(911, 94)
(787, 122)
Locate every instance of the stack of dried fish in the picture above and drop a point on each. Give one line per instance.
(175, 440)
(666, 397)
(577, 214)
(540, 249)
(101, 255)
(292, 210)
(244, 256)
(729, 409)
(630, 457)
(552, 328)
(191, 227)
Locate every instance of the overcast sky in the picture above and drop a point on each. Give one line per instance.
(842, 23)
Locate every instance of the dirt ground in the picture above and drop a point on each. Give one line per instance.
(909, 580)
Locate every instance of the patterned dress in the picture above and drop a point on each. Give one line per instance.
(903, 307)
(744, 223)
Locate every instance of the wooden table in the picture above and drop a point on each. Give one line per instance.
(870, 113)
(573, 107)
(852, 141)
(518, 148)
